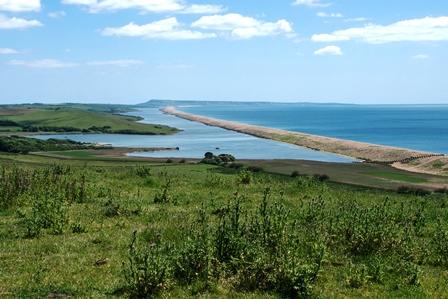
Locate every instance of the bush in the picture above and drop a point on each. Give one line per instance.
(321, 177)
(254, 168)
(112, 209)
(236, 166)
(412, 191)
(143, 171)
(78, 228)
(244, 177)
(49, 211)
(163, 195)
(148, 268)
(295, 174)
(210, 158)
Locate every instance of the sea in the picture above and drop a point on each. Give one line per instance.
(419, 127)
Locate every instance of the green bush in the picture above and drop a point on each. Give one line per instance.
(148, 268)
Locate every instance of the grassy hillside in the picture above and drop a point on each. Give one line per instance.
(24, 145)
(75, 120)
(212, 232)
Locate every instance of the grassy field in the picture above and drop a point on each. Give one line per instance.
(364, 174)
(67, 229)
(62, 119)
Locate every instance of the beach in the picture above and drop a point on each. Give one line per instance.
(402, 158)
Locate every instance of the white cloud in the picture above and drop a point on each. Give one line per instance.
(421, 56)
(57, 14)
(43, 64)
(329, 50)
(17, 23)
(358, 19)
(169, 29)
(8, 51)
(243, 27)
(329, 15)
(117, 63)
(311, 3)
(157, 6)
(414, 30)
(19, 5)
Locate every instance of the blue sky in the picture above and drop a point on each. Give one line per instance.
(129, 51)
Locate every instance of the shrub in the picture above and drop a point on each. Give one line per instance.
(78, 228)
(210, 158)
(49, 211)
(235, 165)
(143, 171)
(148, 268)
(413, 191)
(112, 209)
(244, 177)
(295, 174)
(163, 195)
(321, 177)
(255, 168)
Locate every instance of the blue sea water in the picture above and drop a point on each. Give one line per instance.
(420, 127)
(415, 127)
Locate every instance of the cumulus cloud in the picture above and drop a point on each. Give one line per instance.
(169, 29)
(44, 64)
(311, 3)
(414, 30)
(17, 23)
(157, 6)
(329, 50)
(8, 51)
(329, 15)
(117, 63)
(243, 27)
(20, 5)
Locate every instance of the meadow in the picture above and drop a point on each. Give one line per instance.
(32, 119)
(176, 229)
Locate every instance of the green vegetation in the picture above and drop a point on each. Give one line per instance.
(24, 145)
(63, 119)
(361, 174)
(133, 229)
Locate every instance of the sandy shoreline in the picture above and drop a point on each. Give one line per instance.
(360, 150)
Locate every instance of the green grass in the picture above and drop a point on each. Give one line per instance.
(75, 154)
(10, 129)
(376, 244)
(364, 174)
(80, 119)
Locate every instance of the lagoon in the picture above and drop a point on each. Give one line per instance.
(196, 139)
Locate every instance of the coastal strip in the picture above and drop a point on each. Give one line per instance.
(368, 152)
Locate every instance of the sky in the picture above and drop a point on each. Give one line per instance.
(130, 51)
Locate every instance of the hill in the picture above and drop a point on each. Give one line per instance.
(66, 119)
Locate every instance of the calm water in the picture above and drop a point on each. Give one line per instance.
(415, 127)
(196, 139)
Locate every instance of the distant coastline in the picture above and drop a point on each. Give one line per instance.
(374, 153)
